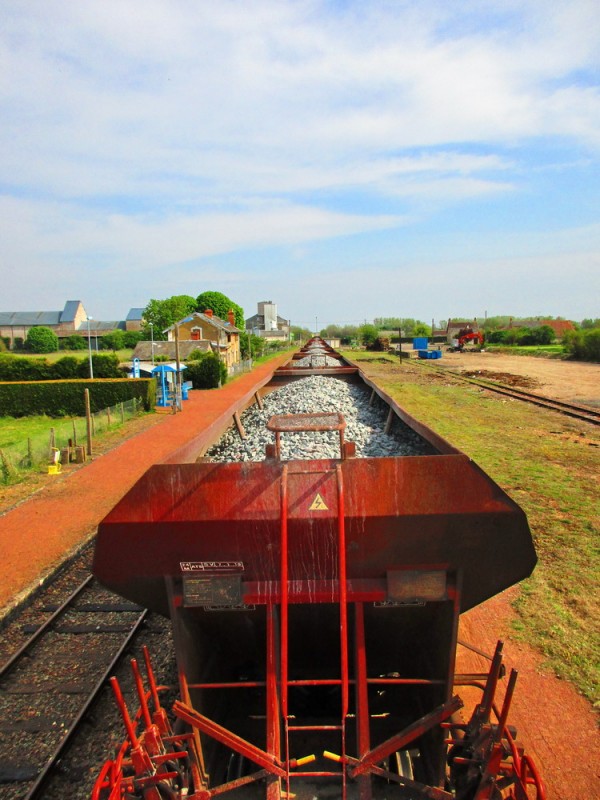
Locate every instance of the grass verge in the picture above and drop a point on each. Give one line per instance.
(549, 465)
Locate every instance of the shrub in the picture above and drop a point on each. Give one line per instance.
(104, 366)
(115, 340)
(196, 355)
(66, 367)
(583, 345)
(73, 342)
(41, 340)
(62, 398)
(19, 368)
(210, 373)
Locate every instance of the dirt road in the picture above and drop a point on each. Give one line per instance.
(572, 381)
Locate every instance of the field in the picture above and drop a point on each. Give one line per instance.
(549, 464)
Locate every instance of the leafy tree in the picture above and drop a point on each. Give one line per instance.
(421, 329)
(41, 340)
(131, 338)
(220, 304)
(251, 345)
(115, 340)
(368, 334)
(589, 324)
(73, 342)
(164, 313)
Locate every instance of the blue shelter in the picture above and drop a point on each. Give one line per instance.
(168, 387)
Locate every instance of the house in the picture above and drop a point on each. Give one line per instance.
(207, 330)
(73, 319)
(267, 323)
(559, 326)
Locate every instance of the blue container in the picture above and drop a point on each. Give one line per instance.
(420, 343)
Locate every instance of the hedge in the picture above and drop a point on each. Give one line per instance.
(20, 368)
(66, 398)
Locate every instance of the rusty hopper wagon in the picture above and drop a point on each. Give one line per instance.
(315, 609)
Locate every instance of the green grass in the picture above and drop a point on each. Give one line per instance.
(540, 350)
(549, 465)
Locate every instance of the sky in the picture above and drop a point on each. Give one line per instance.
(345, 159)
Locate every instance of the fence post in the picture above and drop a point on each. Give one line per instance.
(52, 444)
(88, 421)
(74, 434)
(29, 452)
(122, 414)
(108, 415)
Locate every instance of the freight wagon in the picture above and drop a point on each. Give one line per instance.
(315, 608)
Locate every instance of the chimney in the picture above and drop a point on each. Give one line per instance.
(208, 312)
(231, 317)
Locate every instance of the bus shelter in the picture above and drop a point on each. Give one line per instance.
(166, 376)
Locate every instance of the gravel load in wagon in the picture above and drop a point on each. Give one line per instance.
(364, 425)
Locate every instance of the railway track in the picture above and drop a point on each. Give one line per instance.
(583, 413)
(54, 676)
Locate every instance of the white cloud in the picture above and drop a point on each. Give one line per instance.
(160, 132)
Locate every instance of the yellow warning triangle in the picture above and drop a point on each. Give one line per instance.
(318, 504)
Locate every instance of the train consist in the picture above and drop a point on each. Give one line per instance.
(315, 606)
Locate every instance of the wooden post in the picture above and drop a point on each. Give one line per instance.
(259, 401)
(52, 444)
(388, 422)
(122, 414)
(108, 415)
(400, 345)
(74, 434)
(29, 453)
(88, 421)
(372, 398)
(238, 425)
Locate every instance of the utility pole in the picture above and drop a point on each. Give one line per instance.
(178, 373)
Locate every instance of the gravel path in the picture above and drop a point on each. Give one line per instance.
(364, 425)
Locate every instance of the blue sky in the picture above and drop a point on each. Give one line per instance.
(346, 160)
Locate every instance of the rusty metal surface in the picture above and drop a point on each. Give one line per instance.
(400, 513)
(325, 421)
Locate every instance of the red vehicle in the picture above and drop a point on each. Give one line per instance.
(467, 336)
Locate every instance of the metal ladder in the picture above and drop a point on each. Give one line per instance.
(284, 634)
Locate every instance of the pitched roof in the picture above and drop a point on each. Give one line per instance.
(217, 322)
(30, 318)
(143, 350)
(70, 310)
(135, 314)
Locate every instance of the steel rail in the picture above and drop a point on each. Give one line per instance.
(7, 666)
(44, 775)
(570, 409)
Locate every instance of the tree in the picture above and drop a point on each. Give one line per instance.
(114, 340)
(368, 334)
(41, 340)
(131, 338)
(164, 313)
(220, 305)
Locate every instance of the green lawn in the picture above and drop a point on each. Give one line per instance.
(549, 465)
